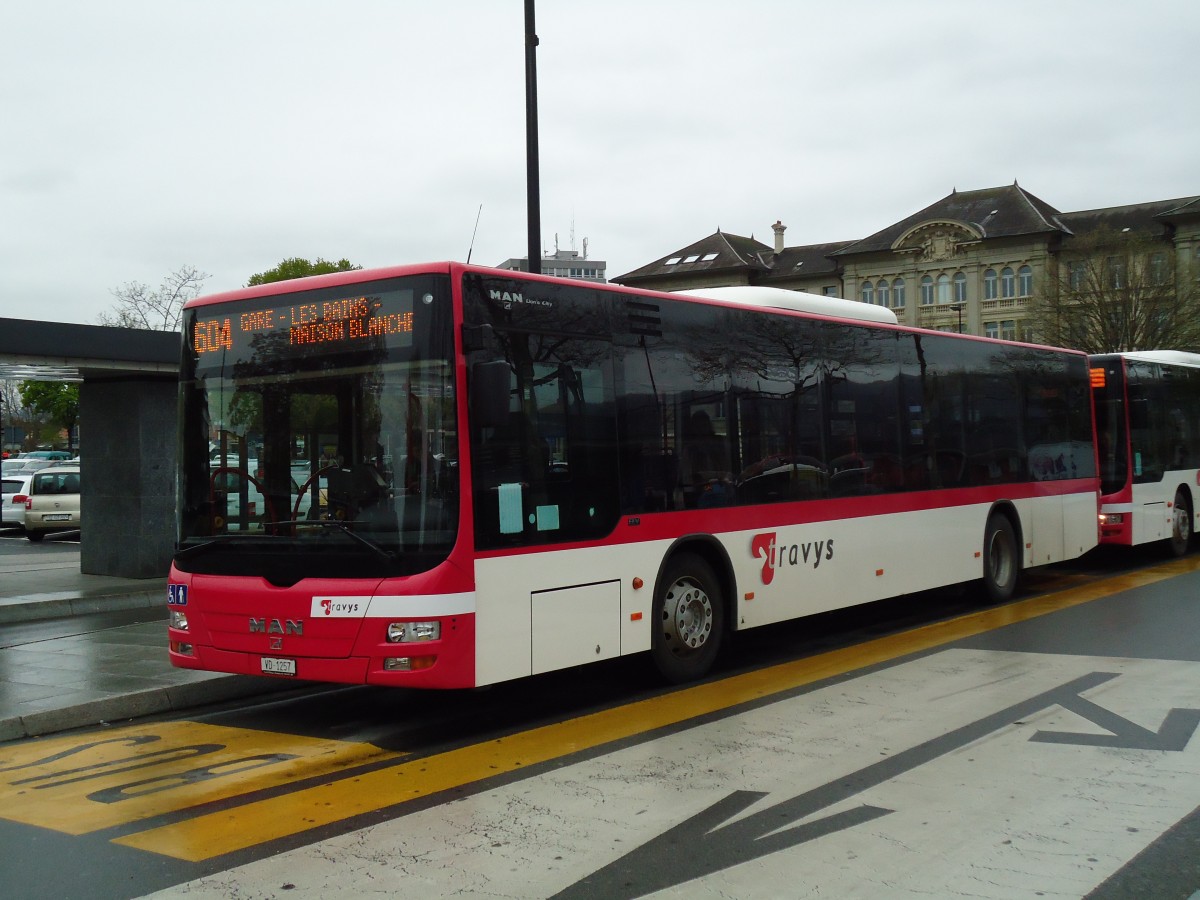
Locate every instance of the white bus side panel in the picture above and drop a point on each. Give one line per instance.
(1152, 518)
(541, 611)
(536, 612)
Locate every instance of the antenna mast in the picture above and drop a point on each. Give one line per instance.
(471, 249)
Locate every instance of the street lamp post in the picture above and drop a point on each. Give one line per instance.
(533, 189)
(958, 308)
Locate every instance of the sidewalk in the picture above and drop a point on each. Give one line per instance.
(63, 667)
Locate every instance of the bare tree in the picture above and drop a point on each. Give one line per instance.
(139, 306)
(1117, 292)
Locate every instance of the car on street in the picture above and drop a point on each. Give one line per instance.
(52, 503)
(12, 504)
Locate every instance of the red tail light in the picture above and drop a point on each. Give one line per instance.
(23, 498)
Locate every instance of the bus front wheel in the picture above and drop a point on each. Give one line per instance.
(1181, 525)
(688, 619)
(1001, 560)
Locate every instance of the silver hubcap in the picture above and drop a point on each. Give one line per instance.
(1182, 515)
(687, 615)
(1000, 559)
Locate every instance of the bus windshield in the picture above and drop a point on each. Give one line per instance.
(318, 431)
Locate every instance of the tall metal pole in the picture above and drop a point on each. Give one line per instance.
(533, 200)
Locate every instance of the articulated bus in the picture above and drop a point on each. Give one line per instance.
(1148, 428)
(445, 476)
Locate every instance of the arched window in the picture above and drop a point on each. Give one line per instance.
(989, 284)
(1024, 282)
(1008, 285)
(943, 288)
(868, 292)
(882, 293)
(926, 290)
(960, 287)
(898, 293)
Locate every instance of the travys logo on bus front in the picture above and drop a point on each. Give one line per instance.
(774, 555)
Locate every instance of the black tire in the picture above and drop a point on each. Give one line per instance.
(35, 536)
(1181, 526)
(1001, 559)
(688, 619)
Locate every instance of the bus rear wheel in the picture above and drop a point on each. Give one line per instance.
(1181, 525)
(688, 619)
(1001, 561)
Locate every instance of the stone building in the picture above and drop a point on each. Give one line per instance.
(974, 261)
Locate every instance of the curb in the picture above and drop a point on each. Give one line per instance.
(64, 604)
(213, 688)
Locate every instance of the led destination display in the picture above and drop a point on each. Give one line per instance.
(342, 321)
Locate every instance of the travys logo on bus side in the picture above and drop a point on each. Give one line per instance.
(338, 607)
(775, 555)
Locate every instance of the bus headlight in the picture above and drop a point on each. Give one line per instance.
(1112, 518)
(413, 632)
(179, 620)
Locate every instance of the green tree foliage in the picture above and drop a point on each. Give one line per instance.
(140, 306)
(1119, 291)
(56, 400)
(296, 267)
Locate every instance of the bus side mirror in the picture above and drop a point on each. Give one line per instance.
(489, 393)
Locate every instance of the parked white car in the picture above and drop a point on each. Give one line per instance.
(16, 489)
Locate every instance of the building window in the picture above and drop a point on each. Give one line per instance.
(868, 292)
(991, 329)
(1158, 269)
(830, 290)
(989, 284)
(1008, 329)
(1076, 272)
(883, 292)
(943, 288)
(1027, 333)
(926, 290)
(1116, 272)
(960, 287)
(898, 293)
(1008, 284)
(1024, 282)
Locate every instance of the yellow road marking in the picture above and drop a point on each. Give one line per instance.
(87, 782)
(234, 829)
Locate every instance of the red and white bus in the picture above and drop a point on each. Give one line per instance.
(448, 475)
(1148, 427)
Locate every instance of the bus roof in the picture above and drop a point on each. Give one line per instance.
(797, 301)
(1170, 357)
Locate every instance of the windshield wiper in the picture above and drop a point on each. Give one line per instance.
(344, 528)
(214, 541)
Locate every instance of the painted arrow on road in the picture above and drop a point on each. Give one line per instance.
(709, 842)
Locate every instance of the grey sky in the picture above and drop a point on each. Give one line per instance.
(137, 136)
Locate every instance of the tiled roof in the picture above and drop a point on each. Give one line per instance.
(1151, 218)
(716, 252)
(799, 262)
(995, 212)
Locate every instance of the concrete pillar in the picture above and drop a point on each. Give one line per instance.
(127, 437)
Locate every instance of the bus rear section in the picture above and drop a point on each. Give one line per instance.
(1147, 408)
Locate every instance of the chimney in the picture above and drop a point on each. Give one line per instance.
(779, 228)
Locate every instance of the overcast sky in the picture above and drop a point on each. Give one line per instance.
(137, 137)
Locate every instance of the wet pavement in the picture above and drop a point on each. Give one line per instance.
(79, 650)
